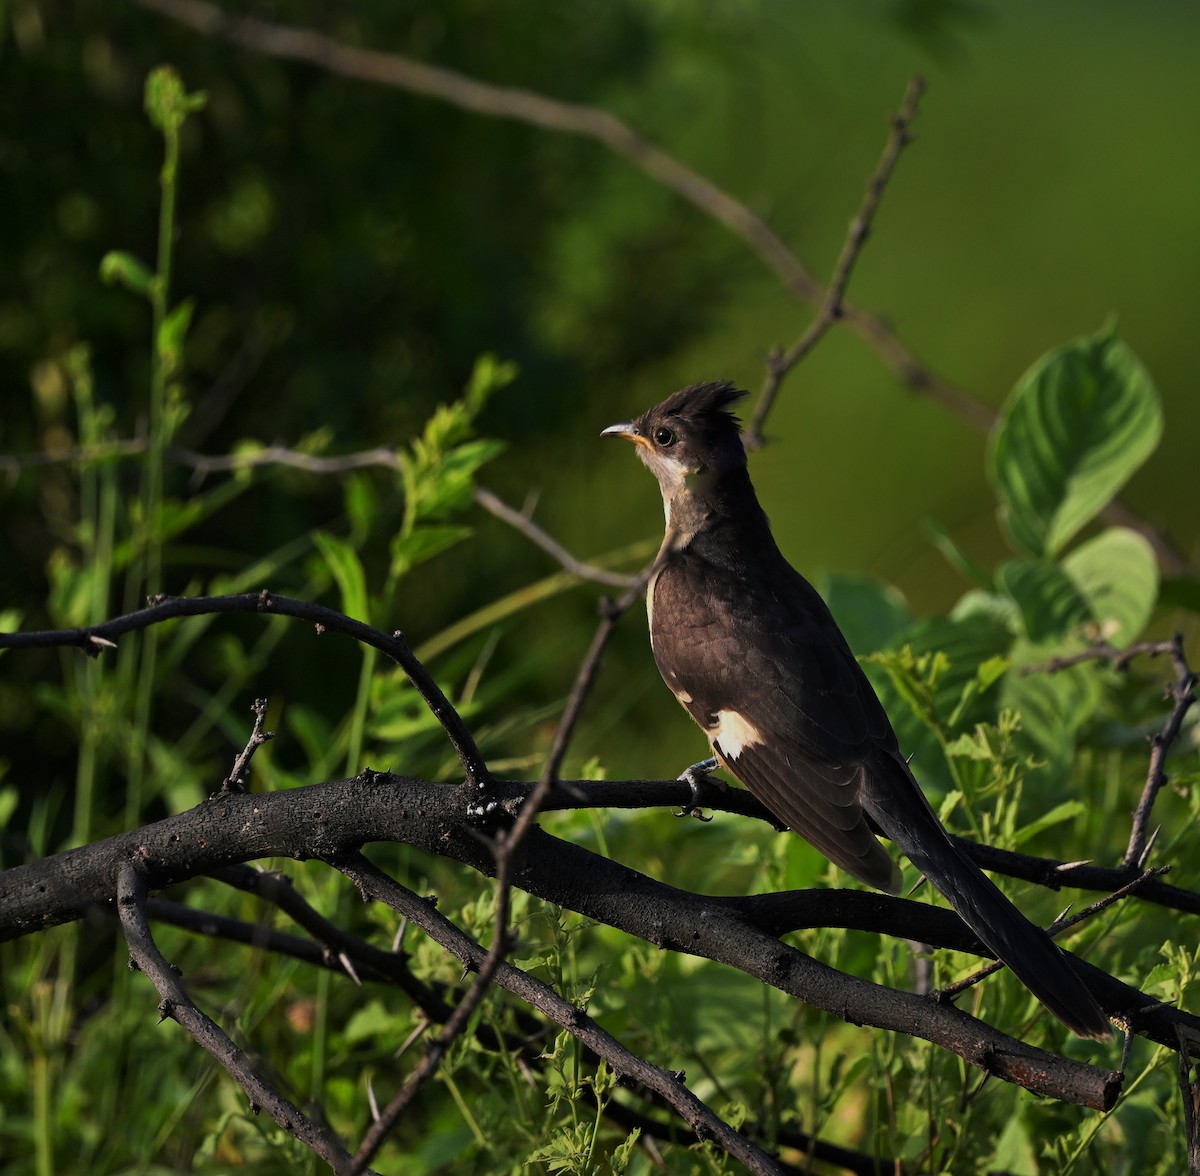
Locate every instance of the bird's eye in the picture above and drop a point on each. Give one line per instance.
(664, 437)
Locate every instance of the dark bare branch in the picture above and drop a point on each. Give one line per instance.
(132, 891)
(164, 608)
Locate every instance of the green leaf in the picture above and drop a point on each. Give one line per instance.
(172, 333)
(1053, 707)
(120, 267)
(954, 555)
(347, 570)
(422, 544)
(869, 613)
(1076, 426)
(1116, 573)
(1049, 600)
(1067, 811)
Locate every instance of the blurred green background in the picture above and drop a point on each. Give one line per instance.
(352, 249)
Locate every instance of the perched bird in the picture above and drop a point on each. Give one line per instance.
(753, 653)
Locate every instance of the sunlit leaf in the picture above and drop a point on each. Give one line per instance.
(1049, 601)
(1117, 575)
(1076, 426)
(347, 571)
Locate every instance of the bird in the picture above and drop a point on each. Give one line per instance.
(753, 653)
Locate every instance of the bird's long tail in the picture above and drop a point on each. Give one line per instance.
(1025, 948)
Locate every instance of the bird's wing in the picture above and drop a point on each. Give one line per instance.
(770, 678)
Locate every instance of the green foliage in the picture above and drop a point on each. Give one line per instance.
(1034, 760)
(1077, 425)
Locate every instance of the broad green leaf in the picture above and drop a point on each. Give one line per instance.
(869, 613)
(1076, 426)
(124, 268)
(1117, 575)
(989, 606)
(1049, 600)
(347, 570)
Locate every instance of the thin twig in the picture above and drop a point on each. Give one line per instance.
(1183, 693)
(236, 780)
(832, 306)
(132, 893)
(1061, 924)
(203, 465)
(527, 527)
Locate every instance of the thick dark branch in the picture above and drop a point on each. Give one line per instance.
(334, 819)
(99, 637)
(132, 892)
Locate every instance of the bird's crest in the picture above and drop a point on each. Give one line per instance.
(704, 402)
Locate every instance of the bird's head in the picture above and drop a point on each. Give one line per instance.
(689, 437)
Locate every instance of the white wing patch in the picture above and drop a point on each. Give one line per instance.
(734, 733)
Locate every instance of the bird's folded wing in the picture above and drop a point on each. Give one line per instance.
(789, 712)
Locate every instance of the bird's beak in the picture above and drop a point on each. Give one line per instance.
(628, 430)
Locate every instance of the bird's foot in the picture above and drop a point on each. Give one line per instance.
(693, 777)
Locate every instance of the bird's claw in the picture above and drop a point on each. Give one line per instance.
(693, 777)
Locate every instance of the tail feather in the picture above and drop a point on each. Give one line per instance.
(1026, 949)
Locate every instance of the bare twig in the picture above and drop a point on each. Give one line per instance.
(236, 780)
(405, 73)
(527, 527)
(132, 893)
(203, 465)
(832, 306)
(1061, 924)
(1183, 691)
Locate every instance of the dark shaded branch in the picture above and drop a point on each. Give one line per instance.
(132, 891)
(96, 638)
(334, 819)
